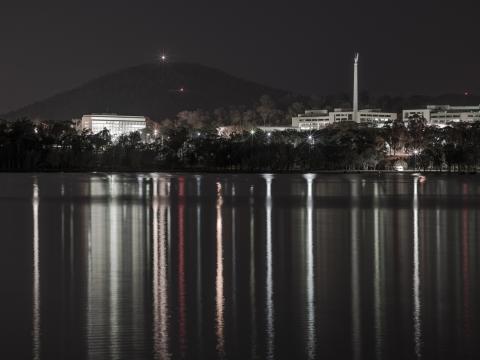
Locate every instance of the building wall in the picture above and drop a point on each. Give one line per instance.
(115, 124)
(309, 122)
(442, 115)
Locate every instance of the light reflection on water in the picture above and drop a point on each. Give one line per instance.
(238, 267)
(219, 280)
(309, 263)
(417, 322)
(36, 276)
(269, 305)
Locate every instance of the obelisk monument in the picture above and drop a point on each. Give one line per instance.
(355, 89)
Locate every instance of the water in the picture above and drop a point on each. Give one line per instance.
(158, 266)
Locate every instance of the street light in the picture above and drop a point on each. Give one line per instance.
(311, 139)
(415, 153)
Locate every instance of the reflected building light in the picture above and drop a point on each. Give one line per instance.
(253, 311)
(438, 272)
(62, 192)
(378, 275)
(115, 277)
(465, 267)
(97, 279)
(311, 337)
(72, 242)
(219, 280)
(64, 300)
(270, 311)
(182, 308)
(417, 329)
(355, 275)
(140, 185)
(234, 267)
(36, 324)
(138, 254)
(198, 179)
(160, 269)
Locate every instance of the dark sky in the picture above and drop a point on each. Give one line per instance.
(307, 46)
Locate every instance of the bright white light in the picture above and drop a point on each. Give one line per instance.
(198, 134)
(309, 137)
(252, 131)
(415, 152)
(269, 134)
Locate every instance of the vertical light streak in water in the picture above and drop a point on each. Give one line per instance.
(355, 276)
(219, 281)
(137, 253)
(438, 273)
(182, 308)
(36, 275)
(64, 301)
(253, 311)
(160, 268)
(311, 337)
(198, 179)
(234, 268)
(62, 192)
(417, 329)
(114, 270)
(270, 311)
(465, 269)
(97, 281)
(378, 276)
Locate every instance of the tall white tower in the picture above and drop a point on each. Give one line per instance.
(355, 89)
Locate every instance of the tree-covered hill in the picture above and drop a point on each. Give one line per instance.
(158, 91)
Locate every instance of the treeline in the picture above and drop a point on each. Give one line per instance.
(270, 112)
(25, 146)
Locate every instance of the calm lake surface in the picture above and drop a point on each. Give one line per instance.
(159, 266)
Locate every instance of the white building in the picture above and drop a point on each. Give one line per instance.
(311, 120)
(442, 115)
(229, 130)
(317, 119)
(115, 124)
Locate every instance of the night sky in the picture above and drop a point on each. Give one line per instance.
(405, 47)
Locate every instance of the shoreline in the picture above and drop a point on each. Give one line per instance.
(241, 172)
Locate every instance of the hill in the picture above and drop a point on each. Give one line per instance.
(158, 91)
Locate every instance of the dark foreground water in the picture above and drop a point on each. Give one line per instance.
(153, 266)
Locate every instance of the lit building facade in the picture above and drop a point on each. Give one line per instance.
(442, 115)
(318, 119)
(115, 124)
(311, 120)
(229, 130)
